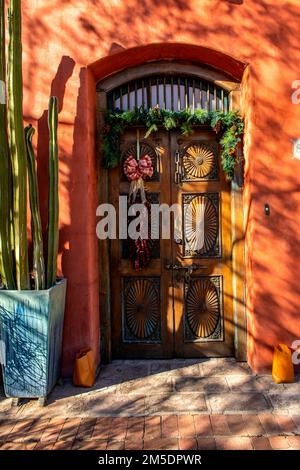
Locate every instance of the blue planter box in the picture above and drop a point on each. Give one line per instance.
(31, 327)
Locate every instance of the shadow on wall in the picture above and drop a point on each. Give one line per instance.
(235, 2)
(82, 243)
(58, 87)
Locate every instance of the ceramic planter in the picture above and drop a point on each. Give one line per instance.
(31, 325)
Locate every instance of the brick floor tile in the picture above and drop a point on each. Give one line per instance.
(53, 429)
(294, 442)
(44, 445)
(102, 428)
(69, 429)
(261, 443)
(92, 444)
(169, 426)
(219, 425)
(188, 443)
(20, 429)
(286, 424)
(86, 428)
(118, 429)
(115, 445)
(206, 443)
(6, 426)
(152, 427)
(279, 442)
(295, 418)
(269, 423)
(13, 446)
(133, 444)
(30, 445)
(234, 443)
(35, 432)
(135, 428)
(202, 425)
(253, 425)
(186, 426)
(237, 425)
(63, 445)
(161, 444)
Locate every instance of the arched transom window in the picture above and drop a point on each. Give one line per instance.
(170, 92)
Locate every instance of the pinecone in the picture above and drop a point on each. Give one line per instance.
(217, 127)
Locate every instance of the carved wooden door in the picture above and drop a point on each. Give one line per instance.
(181, 304)
(202, 279)
(142, 301)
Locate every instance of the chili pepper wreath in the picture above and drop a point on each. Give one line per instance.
(136, 170)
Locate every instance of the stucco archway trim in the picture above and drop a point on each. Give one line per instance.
(132, 57)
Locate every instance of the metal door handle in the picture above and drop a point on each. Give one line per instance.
(191, 267)
(169, 266)
(179, 267)
(177, 168)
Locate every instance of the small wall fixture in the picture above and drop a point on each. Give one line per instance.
(267, 210)
(296, 148)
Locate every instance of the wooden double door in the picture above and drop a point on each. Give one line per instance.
(181, 305)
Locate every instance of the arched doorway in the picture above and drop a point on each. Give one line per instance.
(161, 312)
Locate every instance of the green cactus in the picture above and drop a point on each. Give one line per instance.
(16, 159)
(36, 226)
(6, 256)
(17, 145)
(52, 230)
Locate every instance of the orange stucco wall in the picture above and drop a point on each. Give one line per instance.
(61, 37)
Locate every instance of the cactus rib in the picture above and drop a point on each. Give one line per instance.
(36, 226)
(17, 145)
(6, 257)
(53, 204)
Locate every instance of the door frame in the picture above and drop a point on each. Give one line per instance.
(237, 210)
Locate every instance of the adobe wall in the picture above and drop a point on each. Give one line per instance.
(60, 38)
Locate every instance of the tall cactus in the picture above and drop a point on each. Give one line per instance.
(36, 226)
(6, 258)
(17, 144)
(14, 153)
(52, 230)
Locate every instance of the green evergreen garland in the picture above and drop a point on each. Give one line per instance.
(228, 126)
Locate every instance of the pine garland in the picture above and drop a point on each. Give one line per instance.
(228, 126)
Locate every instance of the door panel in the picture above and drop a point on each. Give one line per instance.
(203, 310)
(181, 304)
(142, 311)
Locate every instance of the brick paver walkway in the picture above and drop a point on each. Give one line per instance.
(208, 404)
(183, 432)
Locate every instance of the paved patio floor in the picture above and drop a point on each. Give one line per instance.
(174, 404)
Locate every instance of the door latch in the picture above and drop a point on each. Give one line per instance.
(179, 267)
(177, 168)
(188, 271)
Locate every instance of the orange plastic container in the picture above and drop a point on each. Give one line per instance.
(283, 368)
(84, 369)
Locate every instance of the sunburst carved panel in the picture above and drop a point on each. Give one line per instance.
(201, 225)
(203, 309)
(200, 162)
(141, 310)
